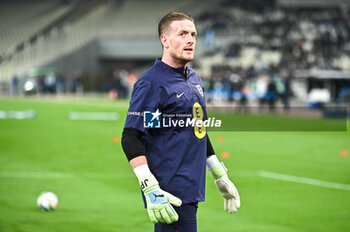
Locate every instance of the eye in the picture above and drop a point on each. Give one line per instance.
(182, 34)
(194, 35)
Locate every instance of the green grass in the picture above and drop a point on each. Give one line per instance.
(100, 191)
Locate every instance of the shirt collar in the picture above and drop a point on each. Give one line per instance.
(165, 66)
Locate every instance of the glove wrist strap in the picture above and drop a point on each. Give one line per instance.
(216, 167)
(146, 179)
(218, 171)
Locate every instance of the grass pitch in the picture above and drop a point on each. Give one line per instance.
(83, 163)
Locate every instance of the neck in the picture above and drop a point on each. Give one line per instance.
(172, 62)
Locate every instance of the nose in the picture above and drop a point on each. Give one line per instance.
(190, 39)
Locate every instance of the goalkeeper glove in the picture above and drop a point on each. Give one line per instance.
(158, 201)
(228, 190)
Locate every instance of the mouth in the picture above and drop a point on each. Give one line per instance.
(188, 49)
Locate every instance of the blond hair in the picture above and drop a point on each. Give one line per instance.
(169, 18)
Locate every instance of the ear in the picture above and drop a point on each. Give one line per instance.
(164, 41)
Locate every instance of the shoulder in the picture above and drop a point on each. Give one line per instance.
(149, 80)
(191, 70)
(193, 74)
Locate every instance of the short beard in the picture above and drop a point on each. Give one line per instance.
(182, 61)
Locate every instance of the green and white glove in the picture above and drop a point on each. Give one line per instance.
(158, 201)
(228, 190)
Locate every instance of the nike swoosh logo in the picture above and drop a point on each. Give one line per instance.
(179, 95)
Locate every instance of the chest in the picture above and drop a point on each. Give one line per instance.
(181, 94)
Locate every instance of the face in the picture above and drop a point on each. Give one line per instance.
(179, 42)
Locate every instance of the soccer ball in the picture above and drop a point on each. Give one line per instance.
(47, 201)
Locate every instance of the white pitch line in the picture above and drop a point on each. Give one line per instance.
(35, 175)
(61, 175)
(303, 180)
(93, 116)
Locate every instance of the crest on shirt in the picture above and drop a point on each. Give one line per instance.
(200, 90)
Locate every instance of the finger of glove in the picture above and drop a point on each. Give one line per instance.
(152, 216)
(173, 200)
(165, 215)
(159, 216)
(231, 205)
(235, 193)
(172, 213)
(237, 202)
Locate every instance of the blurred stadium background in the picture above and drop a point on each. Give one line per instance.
(279, 57)
(283, 52)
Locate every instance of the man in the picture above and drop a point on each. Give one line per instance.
(170, 162)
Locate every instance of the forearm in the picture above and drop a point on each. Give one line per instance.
(132, 145)
(138, 161)
(134, 151)
(210, 149)
(157, 200)
(213, 164)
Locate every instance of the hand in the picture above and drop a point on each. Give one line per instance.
(229, 191)
(159, 206)
(158, 201)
